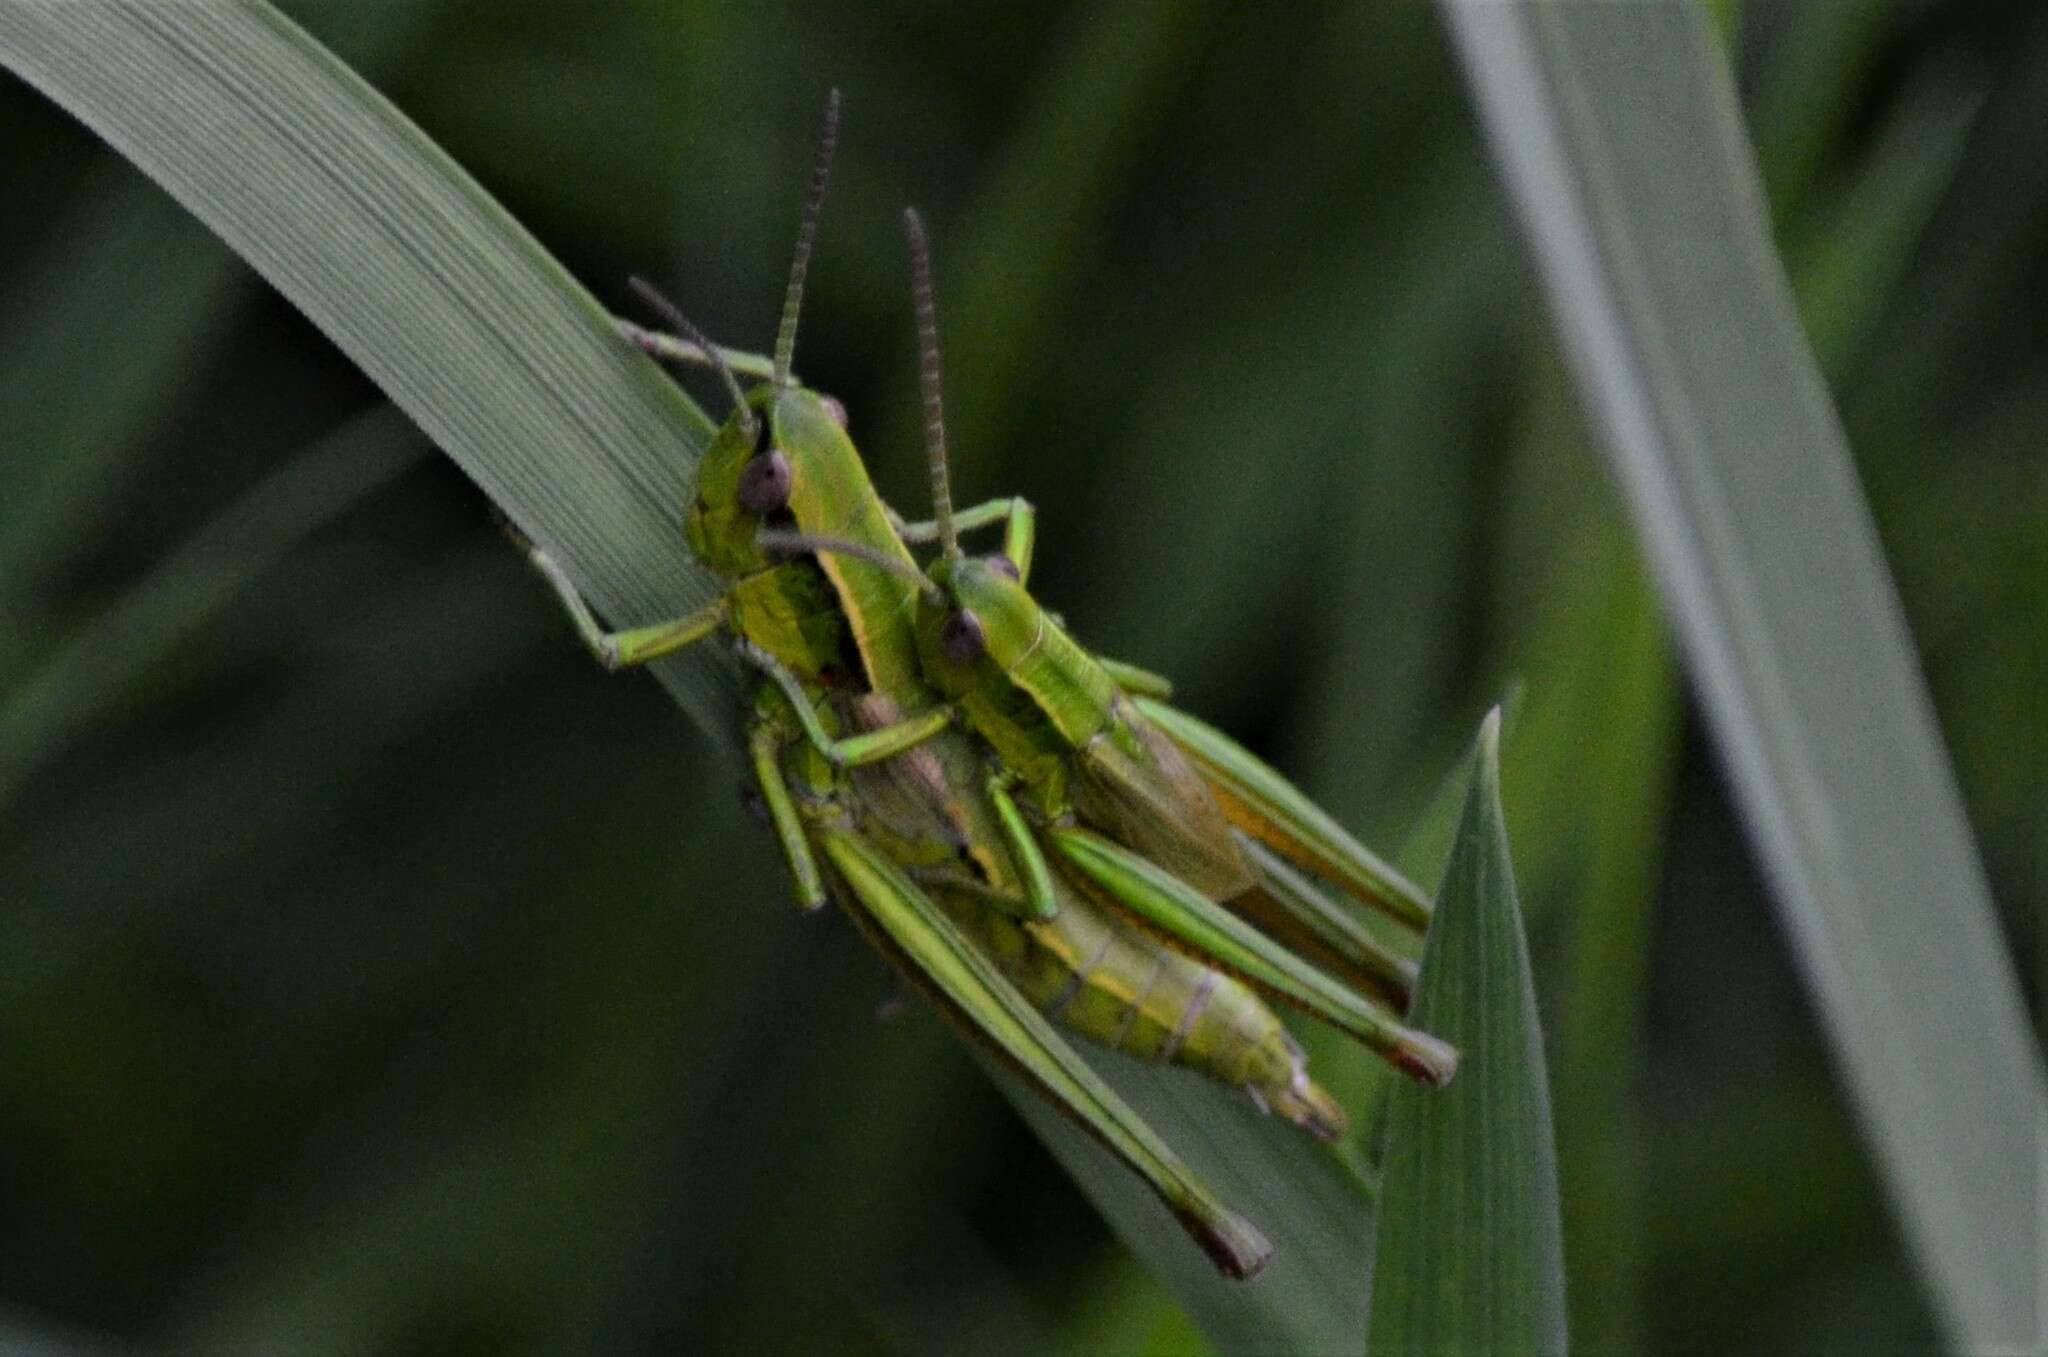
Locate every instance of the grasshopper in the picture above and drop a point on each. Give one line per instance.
(879, 804)
(1206, 859)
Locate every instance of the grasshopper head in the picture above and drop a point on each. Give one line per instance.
(986, 616)
(743, 479)
(753, 466)
(756, 465)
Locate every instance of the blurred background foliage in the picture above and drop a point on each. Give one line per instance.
(377, 975)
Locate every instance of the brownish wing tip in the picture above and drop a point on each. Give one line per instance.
(1425, 1059)
(1237, 1247)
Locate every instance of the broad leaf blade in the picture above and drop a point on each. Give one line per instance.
(1616, 128)
(425, 282)
(1470, 1258)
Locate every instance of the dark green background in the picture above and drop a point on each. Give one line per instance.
(377, 975)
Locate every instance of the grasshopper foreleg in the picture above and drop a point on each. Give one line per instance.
(851, 751)
(637, 645)
(1017, 515)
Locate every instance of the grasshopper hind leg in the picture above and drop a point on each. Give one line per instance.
(908, 925)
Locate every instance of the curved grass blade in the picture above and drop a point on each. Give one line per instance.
(426, 283)
(1616, 127)
(1470, 1257)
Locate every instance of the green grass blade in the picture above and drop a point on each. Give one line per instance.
(1616, 127)
(1470, 1257)
(1588, 779)
(392, 250)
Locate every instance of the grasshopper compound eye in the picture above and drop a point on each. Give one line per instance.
(962, 638)
(764, 483)
(1004, 566)
(834, 408)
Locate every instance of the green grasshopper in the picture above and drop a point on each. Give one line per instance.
(1203, 858)
(894, 815)
(902, 837)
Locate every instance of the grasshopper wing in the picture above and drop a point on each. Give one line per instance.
(1199, 828)
(1299, 915)
(897, 913)
(1263, 804)
(832, 497)
(1135, 785)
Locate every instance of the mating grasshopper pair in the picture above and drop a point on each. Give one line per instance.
(1029, 832)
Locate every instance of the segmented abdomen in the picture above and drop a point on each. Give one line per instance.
(1108, 981)
(1088, 969)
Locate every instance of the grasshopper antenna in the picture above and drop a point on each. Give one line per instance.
(673, 316)
(800, 262)
(930, 378)
(791, 543)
